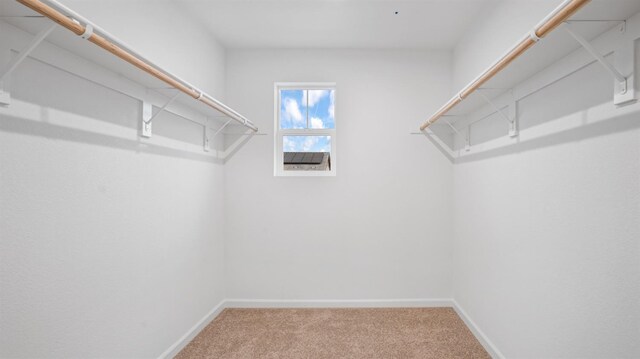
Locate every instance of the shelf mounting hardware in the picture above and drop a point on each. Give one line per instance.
(511, 117)
(24, 53)
(452, 126)
(206, 141)
(467, 140)
(37, 39)
(220, 129)
(548, 24)
(147, 116)
(77, 24)
(622, 81)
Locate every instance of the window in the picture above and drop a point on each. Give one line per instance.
(305, 129)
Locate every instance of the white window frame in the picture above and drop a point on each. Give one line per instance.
(278, 133)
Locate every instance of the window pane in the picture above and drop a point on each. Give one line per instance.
(320, 108)
(306, 143)
(293, 110)
(307, 153)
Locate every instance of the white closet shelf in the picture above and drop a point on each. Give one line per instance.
(496, 87)
(115, 56)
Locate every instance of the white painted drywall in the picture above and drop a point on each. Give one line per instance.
(547, 231)
(110, 246)
(495, 30)
(161, 31)
(381, 228)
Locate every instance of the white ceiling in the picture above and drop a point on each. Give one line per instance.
(432, 24)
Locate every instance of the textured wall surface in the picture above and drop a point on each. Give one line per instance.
(547, 231)
(115, 247)
(547, 247)
(110, 246)
(161, 31)
(385, 217)
(495, 30)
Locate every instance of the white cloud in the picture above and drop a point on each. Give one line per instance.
(306, 143)
(314, 96)
(292, 110)
(328, 139)
(309, 143)
(332, 100)
(300, 143)
(316, 122)
(289, 145)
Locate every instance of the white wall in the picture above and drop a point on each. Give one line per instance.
(110, 246)
(495, 31)
(546, 246)
(385, 221)
(161, 31)
(546, 231)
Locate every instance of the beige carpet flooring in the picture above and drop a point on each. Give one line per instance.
(336, 333)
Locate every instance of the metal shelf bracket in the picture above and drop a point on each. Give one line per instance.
(13, 64)
(452, 126)
(624, 92)
(220, 129)
(206, 141)
(467, 139)
(513, 115)
(455, 130)
(510, 117)
(148, 115)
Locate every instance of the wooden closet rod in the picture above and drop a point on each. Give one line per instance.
(74, 26)
(553, 20)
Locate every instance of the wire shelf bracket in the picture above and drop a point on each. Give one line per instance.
(511, 116)
(624, 56)
(221, 128)
(148, 115)
(5, 97)
(467, 139)
(206, 141)
(92, 33)
(548, 24)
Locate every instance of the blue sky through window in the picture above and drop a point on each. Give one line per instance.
(301, 109)
(292, 113)
(306, 143)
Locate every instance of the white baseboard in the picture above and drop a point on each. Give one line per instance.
(185, 339)
(482, 338)
(338, 303)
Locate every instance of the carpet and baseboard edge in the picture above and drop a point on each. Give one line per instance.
(174, 349)
(479, 334)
